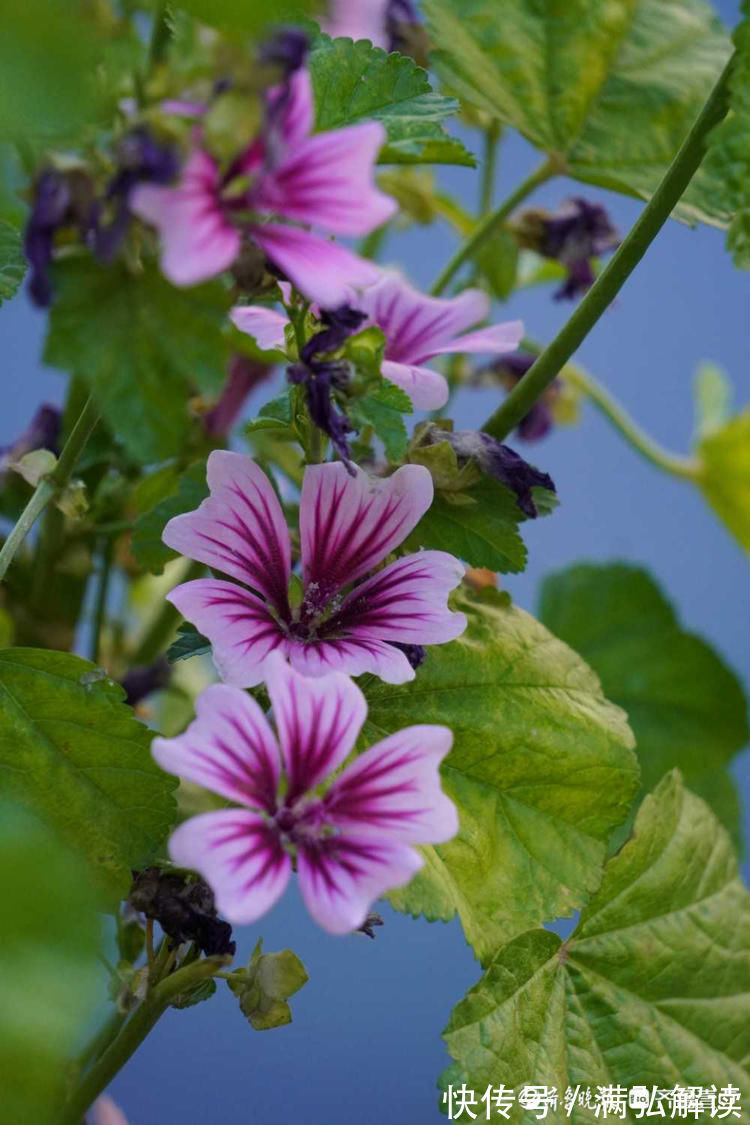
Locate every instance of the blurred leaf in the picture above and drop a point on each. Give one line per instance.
(49, 940)
(609, 90)
(49, 52)
(249, 17)
(541, 771)
(74, 753)
(497, 263)
(686, 708)
(204, 990)
(650, 990)
(729, 147)
(12, 261)
(725, 474)
(142, 345)
(147, 545)
(265, 986)
(482, 532)
(189, 643)
(713, 399)
(355, 82)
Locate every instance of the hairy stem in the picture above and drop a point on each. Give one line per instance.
(621, 265)
(132, 1035)
(51, 485)
(490, 222)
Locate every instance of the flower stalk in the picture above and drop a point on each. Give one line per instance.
(611, 280)
(50, 486)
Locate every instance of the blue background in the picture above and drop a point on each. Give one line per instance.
(365, 1043)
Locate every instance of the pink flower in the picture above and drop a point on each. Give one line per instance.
(105, 1112)
(416, 327)
(359, 19)
(325, 180)
(348, 524)
(352, 843)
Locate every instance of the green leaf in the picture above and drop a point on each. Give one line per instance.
(279, 409)
(256, 18)
(265, 986)
(201, 991)
(355, 82)
(650, 990)
(12, 261)
(482, 532)
(382, 408)
(541, 770)
(729, 147)
(49, 938)
(142, 346)
(189, 643)
(725, 474)
(713, 399)
(71, 751)
(608, 90)
(497, 263)
(187, 492)
(686, 708)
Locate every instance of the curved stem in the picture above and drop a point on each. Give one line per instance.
(643, 443)
(133, 1034)
(621, 265)
(485, 228)
(50, 485)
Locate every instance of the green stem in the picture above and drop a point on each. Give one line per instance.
(100, 606)
(161, 33)
(621, 265)
(495, 218)
(371, 245)
(487, 190)
(132, 1035)
(51, 485)
(106, 1034)
(161, 627)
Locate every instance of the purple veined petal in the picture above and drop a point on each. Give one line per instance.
(407, 602)
(105, 1112)
(496, 339)
(318, 721)
(241, 858)
(348, 524)
(417, 326)
(358, 19)
(197, 241)
(183, 107)
(239, 625)
(352, 655)
(393, 790)
(427, 389)
(299, 109)
(321, 270)
(229, 748)
(327, 181)
(266, 326)
(239, 529)
(340, 877)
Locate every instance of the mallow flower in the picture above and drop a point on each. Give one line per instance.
(350, 842)
(417, 328)
(345, 621)
(285, 182)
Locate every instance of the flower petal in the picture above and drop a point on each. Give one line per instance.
(105, 1112)
(348, 524)
(427, 389)
(266, 326)
(197, 241)
(407, 602)
(240, 857)
(497, 339)
(328, 181)
(240, 529)
(318, 722)
(415, 325)
(340, 877)
(229, 748)
(299, 108)
(238, 624)
(358, 19)
(393, 790)
(352, 655)
(322, 270)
